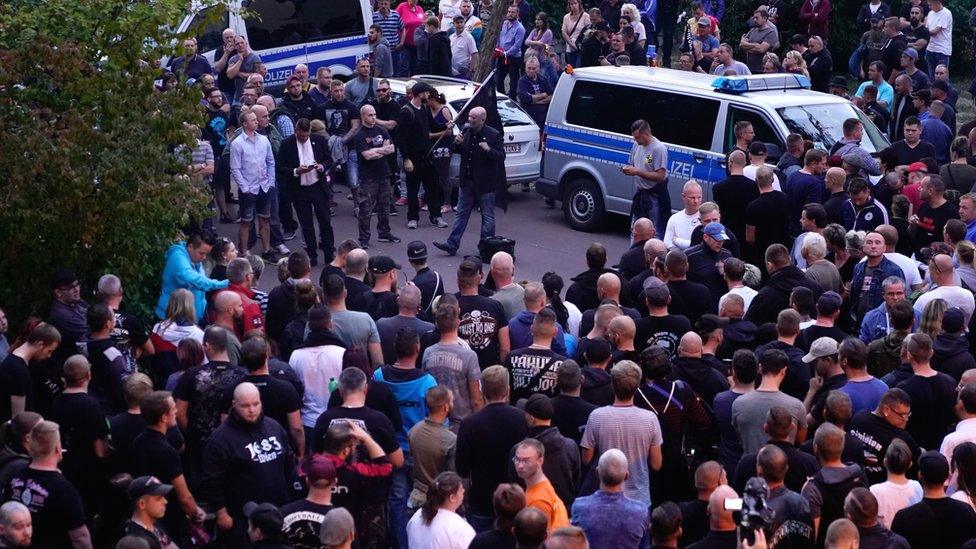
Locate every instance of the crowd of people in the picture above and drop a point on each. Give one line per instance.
(805, 336)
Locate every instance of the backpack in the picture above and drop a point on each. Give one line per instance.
(832, 496)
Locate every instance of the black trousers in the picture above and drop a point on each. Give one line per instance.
(285, 202)
(666, 22)
(314, 200)
(423, 174)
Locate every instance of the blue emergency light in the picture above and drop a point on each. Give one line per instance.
(761, 82)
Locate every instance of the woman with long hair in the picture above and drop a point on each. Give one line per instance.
(539, 38)
(166, 335)
(640, 33)
(438, 525)
(568, 314)
(794, 63)
(964, 464)
(441, 155)
(574, 23)
(931, 323)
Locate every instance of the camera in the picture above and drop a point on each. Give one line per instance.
(751, 511)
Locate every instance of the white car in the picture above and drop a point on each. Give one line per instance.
(521, 137)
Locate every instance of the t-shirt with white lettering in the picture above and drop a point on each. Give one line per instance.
(302, 523)
(942, 42)
(631, 430)
(533, 370)
(650, 157)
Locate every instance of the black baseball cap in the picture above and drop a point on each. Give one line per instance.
(63, 277)
(538, 406)
(265, 516)
(602, 26)
(381, 264)
(757, 147)
(147, 486)
(416, 250)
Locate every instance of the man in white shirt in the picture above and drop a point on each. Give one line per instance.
(966, 428)
(757, 158)
(464, 51)
(943, 276)
(939, 23)
(682, 224)
(890, 234)
(734, 269)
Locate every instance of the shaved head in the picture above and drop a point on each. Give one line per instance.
(608, 285)
(409, 298)
(643, 229)
(720, 518)
(691, 345)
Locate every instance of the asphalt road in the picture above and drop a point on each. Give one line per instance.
(544, 242)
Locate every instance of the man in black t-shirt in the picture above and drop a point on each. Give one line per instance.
(931, 218)
(341, 118)
(690, 299)
(279, 399)
(374, 147)
(14, 372)
(734, 193)
(569, 411)
(878, 427)
(911, 149)
(533, 369)
(381, 301)
(387, 111)
(766, 218)
(154, 455)
(108, 365)
(129, 335)
(483, 322)
(55, 505)
(660, 328)
(932, 392)
(128, 425)
(303, 518)
(936, 521)
(219, 125)
(84, 432)
(148, 496)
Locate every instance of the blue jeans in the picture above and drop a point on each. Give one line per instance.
(466, 202)
(401, 62)
(277, 236)
(401, 483)
(934, 59)
(352, 169)
(657, 209)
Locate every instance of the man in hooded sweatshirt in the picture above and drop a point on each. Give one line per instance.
(562, 463)
(696, 372)
(318, 361)
(247, 458)
(582, 292)
(950, 349)
(438, 58)
(184, 269)
(519, 327)
(597, 388)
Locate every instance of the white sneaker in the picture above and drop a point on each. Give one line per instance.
(282, 249)
(412, 224)
(439, 222)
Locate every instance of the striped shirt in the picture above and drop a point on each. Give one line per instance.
(631, 430)
(202, 154)
(391, 25)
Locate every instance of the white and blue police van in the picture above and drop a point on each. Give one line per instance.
(587, 139)
(318, 33)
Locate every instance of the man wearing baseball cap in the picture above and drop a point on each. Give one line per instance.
(562, 463)
(302, 519)
(429, 281)
(703, 258)
(381, 302)
(148, 497)
(825, 362)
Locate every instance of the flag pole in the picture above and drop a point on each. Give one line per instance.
(487, 81)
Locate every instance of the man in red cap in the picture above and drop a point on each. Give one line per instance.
(913, 191)
(303, 518)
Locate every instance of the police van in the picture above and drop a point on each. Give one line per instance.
(318, 33)
(587, 135)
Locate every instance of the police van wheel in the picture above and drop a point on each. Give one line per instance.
(583, 205)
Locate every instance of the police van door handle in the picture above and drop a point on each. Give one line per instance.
(698, 158)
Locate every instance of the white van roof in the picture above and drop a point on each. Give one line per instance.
(700, 84)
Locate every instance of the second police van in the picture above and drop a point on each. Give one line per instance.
(284, 33)
(587, 136)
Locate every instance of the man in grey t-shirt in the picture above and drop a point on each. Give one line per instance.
(648, 166)
(408, 302)
(749, 411)
(454, 366)
(362, 87)
(762, 38)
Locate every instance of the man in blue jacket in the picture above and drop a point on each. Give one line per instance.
(519, 328)
(866, 288)
(184, 269)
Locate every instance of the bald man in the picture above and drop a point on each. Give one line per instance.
(507, 292)
(721, 525)
(520, 326)
(694, 513)
(409, 306)
(482, 170)
(633, 262)
(609, 518)
(228, 310)
(635, 285)
(682, 224)
(374, 145)
(621, 333)
(734, 193)
(791, 516)
(248, 458)
(943, 276)
(834, 206)
(842, 534)
(697, 372)
(607, 291)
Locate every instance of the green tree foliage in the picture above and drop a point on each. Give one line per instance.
(89, 180)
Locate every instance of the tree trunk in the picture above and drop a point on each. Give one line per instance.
(489, 39)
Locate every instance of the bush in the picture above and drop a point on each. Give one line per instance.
(90, 181)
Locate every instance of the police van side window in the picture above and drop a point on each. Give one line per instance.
(675, 119)
(282, 23)
(764, 132)
(208, 29)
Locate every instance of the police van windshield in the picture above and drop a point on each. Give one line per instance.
(823, 124)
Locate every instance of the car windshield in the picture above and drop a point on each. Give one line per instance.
(510, 113)
(823, 124)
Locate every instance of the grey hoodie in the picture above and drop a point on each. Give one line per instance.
(381, 58)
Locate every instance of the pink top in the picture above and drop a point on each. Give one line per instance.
(412, 17)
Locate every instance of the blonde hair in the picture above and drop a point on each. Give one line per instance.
(181, 306)
(796, 58)
(931, 323)
(632, 9)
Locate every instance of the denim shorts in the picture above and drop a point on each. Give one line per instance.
(251, 204)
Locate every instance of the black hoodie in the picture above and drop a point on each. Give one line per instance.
(951, 355)
(699, 374)
(775, 295)
(582, 292)
(439, 54)
(247, 462)
(597, 386)
(562, 463)
(282, 306)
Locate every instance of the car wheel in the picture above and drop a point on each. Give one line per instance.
(583, 205)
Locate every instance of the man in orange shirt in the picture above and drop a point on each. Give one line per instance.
(539, 493)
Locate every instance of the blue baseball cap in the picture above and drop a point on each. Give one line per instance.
(716, 230)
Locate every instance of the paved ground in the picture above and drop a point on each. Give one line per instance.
(544, 242)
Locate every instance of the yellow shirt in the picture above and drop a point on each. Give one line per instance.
(543, 497)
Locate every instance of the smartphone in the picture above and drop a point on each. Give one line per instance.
(733, 504)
